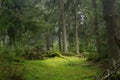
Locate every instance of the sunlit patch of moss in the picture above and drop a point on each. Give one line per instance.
(70, 68)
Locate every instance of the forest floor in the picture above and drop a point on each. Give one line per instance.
(72, 68)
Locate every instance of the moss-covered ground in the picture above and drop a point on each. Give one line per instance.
(70, 68)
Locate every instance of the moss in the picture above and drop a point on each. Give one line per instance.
(59, 69)
(40, 55)
(54, 54)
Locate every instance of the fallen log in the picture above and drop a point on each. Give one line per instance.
(115, 66)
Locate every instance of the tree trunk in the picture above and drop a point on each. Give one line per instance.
(3, 39)
(12, 34)
(47, 41)
(65, 47)
(76, 29)
(59, 33)
(111, 17)
(96, 26)
(0, 6)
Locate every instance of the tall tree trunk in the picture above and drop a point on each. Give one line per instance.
(52, 40)
(0, 14)
(69, 31)
(76, 29)
(12, 34)
(111, 17)
(96, 26)
(65, 47)
(3, 39)
(0, 6)
(59, 33)
(47, 41)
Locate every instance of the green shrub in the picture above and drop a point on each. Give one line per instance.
(4, 50)
(12, 71)
(19, 51)
(91, 56)
(95, 56)
(11, 67)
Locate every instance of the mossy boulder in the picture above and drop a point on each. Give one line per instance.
(33, 54)
(54, 54)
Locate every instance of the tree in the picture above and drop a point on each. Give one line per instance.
(11, 19)
(111, 17)
(0, 6)
(64, 35)
(96, 26)
(76, 27)
(60, 34)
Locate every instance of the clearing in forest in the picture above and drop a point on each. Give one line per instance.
(72, 68)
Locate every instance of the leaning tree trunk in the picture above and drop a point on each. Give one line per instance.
(111, 17)
(65, 47)
(96, 26)
(76, 29)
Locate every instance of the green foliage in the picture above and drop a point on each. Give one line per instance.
(19, 51)
(92, 56)
(95, 57)
(115, 76)
(30, 20)
(70, 54)
(11, 66)
(3, 51)
(27, 25)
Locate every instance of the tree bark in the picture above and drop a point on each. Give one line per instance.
(0, 6)
(111, 17)
(60, 31)
(76, 29)
(65, 47)
(96, 26)
(3, 39)
(59, 34)
(12, 36)
(47, 41)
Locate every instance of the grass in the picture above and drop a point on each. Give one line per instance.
(72, 68)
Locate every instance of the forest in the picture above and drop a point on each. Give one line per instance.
(59, 39)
